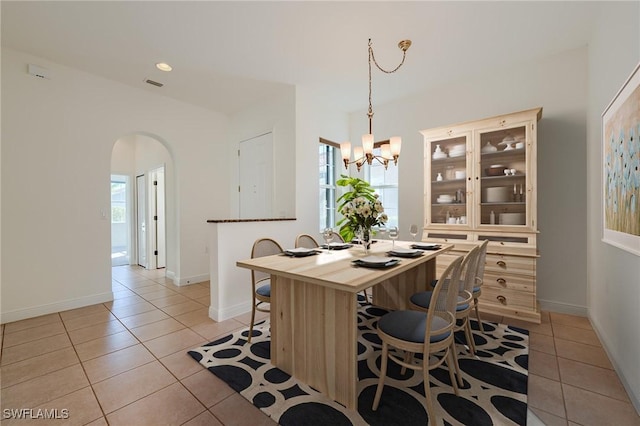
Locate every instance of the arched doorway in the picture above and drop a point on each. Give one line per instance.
(142, 202)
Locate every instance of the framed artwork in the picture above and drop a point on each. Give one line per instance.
(621, 167)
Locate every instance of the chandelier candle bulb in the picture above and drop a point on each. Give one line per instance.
(385, 151)
(345, 150)
(396, 145)
(358, 152)
(367, 143)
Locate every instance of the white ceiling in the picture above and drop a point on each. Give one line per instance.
(227, 55)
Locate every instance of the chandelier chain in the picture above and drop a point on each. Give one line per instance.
(372, 57)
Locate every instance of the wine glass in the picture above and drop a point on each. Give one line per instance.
(393, 235)
(413, 230)
(382, 231)
(327, 234)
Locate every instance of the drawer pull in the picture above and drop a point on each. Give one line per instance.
(501, 263)
(501, 281)
(502, 299)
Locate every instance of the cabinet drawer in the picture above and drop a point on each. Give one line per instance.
(509, 281)
(501, 264)
(508, 297)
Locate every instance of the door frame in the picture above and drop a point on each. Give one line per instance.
(270, 180)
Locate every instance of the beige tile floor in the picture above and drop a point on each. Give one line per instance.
(125, 363)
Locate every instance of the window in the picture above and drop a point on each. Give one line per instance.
(327, 161)
(385, 183)
(118, 202)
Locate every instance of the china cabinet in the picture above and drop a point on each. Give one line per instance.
(480, 183)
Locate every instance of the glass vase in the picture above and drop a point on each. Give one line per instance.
(364, 234)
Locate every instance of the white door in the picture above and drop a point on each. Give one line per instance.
(256, 177)
(141, 220)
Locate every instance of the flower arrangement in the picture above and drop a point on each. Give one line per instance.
(360, 209)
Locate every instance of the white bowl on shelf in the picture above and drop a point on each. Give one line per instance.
(488, 148)
(439, 155)
(511, 219)
(497, 194)
(444, 198)
(460, 174)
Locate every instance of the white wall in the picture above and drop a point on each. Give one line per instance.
(559, 85)
(230, 242)
(275, 115)
(313, 120)
(57, 139)
(613, 274)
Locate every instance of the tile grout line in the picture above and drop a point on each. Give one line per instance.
(555, 350)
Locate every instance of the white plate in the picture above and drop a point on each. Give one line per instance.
(456, 154)
(300, 250)
(402, 250)
(375, 260)
(337, 244)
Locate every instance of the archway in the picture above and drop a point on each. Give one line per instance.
(143, 219)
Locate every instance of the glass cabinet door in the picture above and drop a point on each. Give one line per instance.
(503, 177)
(447, 168)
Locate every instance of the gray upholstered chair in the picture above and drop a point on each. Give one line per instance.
(425, 333)
(466, 282)
(261, 281)
(306, 241)
(337, 237)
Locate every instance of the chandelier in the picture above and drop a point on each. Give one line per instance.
(388, 151)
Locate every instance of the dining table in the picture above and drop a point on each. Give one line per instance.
(314, 307)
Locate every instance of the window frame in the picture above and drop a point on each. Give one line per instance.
(328, 214)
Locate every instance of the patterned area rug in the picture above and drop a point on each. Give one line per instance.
(494, 391)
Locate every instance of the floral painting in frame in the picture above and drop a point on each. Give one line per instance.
(621, 167)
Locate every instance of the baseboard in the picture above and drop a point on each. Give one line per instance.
(180, 281)
(171, 275)
(65, 305)
(230, 312)
(563, 308)
(635, 399)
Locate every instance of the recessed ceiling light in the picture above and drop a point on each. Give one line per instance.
(162, 66)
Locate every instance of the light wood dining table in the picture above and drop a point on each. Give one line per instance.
(314, 309)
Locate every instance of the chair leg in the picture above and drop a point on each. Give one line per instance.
(469, 333)
(253, 318)
(451, 363)
(475, 304)
(383, 373)
(408, 357)
(455, 363)
(427, 393)
(366, 298)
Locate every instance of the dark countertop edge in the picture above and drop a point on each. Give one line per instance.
(250, 220)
